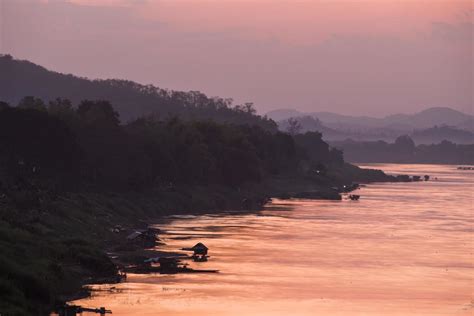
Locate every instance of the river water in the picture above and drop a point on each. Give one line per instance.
(402, 249)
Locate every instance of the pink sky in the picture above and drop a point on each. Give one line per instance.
(371, 57)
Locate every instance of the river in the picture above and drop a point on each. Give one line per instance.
(402, 249)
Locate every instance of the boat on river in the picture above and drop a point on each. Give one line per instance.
(167, 265)
(354, 197)
(157, 269)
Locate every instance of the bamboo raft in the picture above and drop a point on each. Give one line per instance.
(144, 269)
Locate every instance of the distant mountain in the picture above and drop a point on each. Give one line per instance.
(430, 118)
(467, 125)
(397, 122)
(346, 121)
(284, 114)
(312, 124)
(20, 78)
(335, 127)
(330, 119)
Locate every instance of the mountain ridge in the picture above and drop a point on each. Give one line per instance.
(424, 135)
(426, 118)
(21, 78)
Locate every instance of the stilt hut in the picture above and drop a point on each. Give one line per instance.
(200, 252)
(200, 249)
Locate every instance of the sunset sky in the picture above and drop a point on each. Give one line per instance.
(366, 57)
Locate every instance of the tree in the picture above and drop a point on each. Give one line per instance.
(33, 143)
(249, 108)
(98, 113)
(63, 109)
(33, 103)
(405, 144)
(4, 105)
(294, 126)
(60, 105)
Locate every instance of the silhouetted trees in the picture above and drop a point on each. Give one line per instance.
(294, 127)
(32, 103)
(130, 99)
(87, 144)
(316, 150)
(36, 144)
(437, 134)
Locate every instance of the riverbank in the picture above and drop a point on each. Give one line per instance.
(320, 257)
(51, 250)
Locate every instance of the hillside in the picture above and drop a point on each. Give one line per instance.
(401, 122)
(335, 127)
(19, 78)
(312, 124)
(430, 117)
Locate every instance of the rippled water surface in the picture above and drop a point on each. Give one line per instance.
(403, 249)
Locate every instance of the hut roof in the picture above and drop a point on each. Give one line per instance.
(199, 246)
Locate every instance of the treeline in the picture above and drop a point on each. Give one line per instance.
(130, 99)
(59, 143)
(437, 134)
(404, 150)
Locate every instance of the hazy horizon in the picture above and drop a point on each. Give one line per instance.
(368, 58)
(368, 115)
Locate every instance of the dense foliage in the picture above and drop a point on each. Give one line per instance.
(87, 144)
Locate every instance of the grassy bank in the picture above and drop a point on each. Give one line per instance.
(50, 251)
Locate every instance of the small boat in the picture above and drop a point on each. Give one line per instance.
(354, 197)
(157, 269)
(73, 310)
(167, 265)
(189, 270)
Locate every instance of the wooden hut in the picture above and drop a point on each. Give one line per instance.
(199, 249)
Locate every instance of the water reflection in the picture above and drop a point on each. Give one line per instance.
(403, 249)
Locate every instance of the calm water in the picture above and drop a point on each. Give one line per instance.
(403, 249)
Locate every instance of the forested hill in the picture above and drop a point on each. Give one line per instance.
(19, 78)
